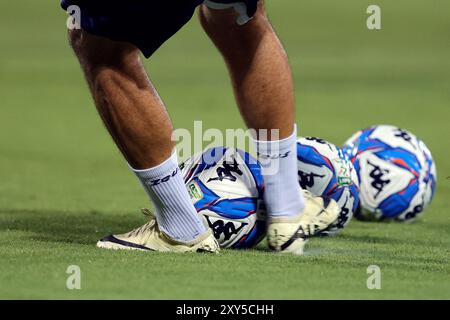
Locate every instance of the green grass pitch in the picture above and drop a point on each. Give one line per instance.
(63, 184)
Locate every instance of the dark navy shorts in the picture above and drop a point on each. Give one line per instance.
(145, 23)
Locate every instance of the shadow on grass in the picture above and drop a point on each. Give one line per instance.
(88, 227)
(67, 227)
(371, 239)
(85, 228)
(395, 240)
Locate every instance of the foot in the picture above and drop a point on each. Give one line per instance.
(290, 234)
(149, 238)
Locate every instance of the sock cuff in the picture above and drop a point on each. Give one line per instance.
(274, 145)
(162, 169)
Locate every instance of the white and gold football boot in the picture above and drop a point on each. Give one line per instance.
(290, 234)
(150, 238)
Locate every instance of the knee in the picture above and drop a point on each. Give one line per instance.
(214, 21)
(222, 23)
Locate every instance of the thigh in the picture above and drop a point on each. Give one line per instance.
(145, 24)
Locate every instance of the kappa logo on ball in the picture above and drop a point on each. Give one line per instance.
(344, 216)
(377, 175)
(415, 211)
(220, 228)
(315, 139)
(307, 180)
(405, 135)
(226, 172)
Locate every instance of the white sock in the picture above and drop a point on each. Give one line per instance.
(175, 212)
(278, 159)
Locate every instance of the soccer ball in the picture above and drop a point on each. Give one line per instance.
(226, 187)
(324, 171)
(396, 171)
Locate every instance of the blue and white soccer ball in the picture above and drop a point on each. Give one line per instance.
(324, 171)
(396, 171)
(226, 187)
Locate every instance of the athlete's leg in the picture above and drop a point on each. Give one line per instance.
(258, 66)
(126, 100)
(139, 124)
(263, 85)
